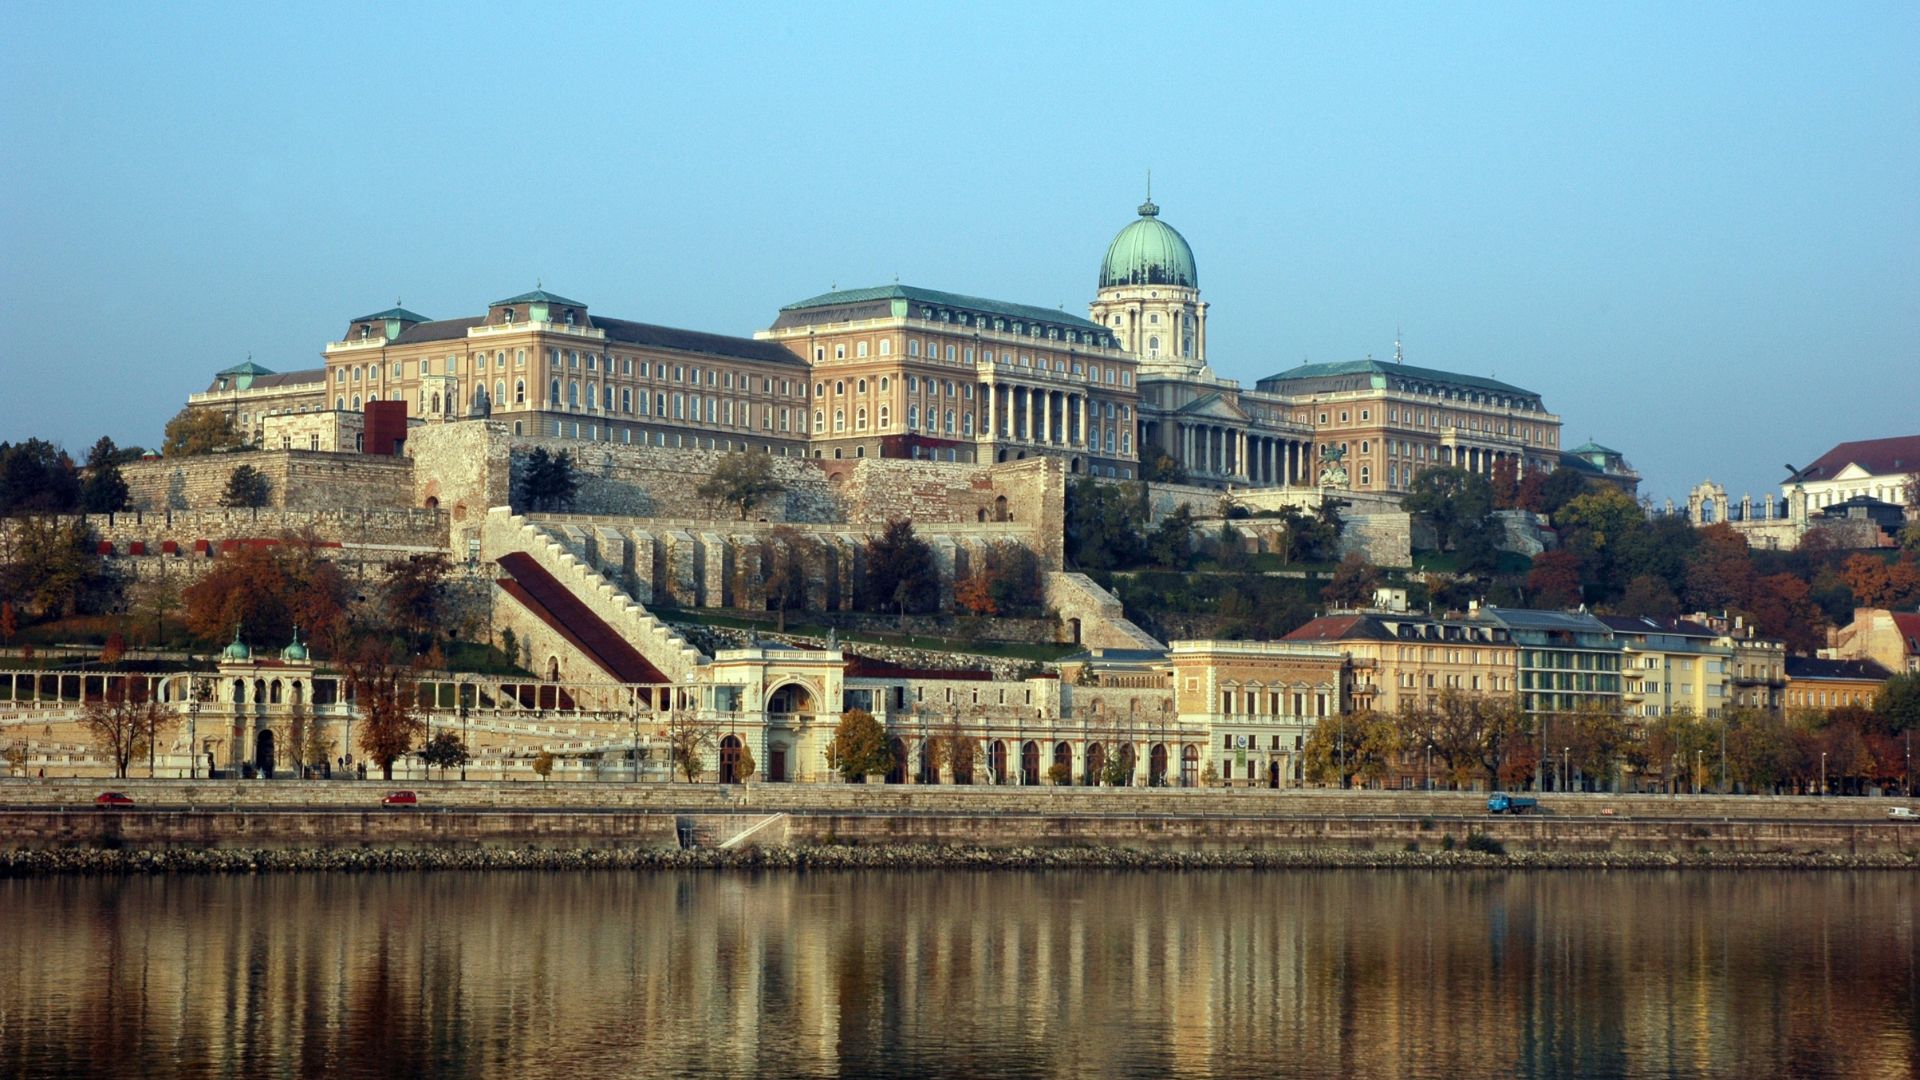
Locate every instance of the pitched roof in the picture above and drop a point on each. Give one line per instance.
(1804, 668)
(943, 299)
(1534, 619)
(394, 313)
(276, 378)
(538, 296)
(1879, 457)
(1646, 624)
(695, 341)
(1339, 628)
(438, 330)
(1377, 367)
(1909, 627)
(1591, 447)
(246, 368)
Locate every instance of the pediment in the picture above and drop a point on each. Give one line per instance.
(1213, 406)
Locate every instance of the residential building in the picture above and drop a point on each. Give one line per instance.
(1566, 660)
(1670, 666)
(1888, 638)
(1405, 660)
(1816, 683)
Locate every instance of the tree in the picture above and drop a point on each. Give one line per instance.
(444, 751)
(104, 491)
(319, 743)
(268, 589)
(1554, 581)
(413, 591)
(37, 477)
(1458, 505)
(744, 766)
(384, 695)
(1350, 745)
(1598, 527)
(1648, 595)
(246, 487)
(124, 719)
(1719, 573)
(1783, 607)
(543, 765)
(546, 483)
(1898, 702)
(1158, 467)
(783, 564)
(155, 595)
(860, 745)
(1104, 525)
(689, 738)
(1170, 545)
(742, 480)
(199, 431)
(1006, 581)
(1560, 487)
(50, 568)
(1877, 583)
(900, 572)
(1353, 582)
(1059, 774)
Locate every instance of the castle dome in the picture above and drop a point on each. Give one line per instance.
(295, 652)
(1149, 252)
(237, 651)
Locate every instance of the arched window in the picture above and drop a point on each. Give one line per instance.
(356, 401)
(553, 392)
(913, 416)
(340, 403)
(819, 421)
(860, 419)
(499, 391)
(884, 417)
(573, 392)
(884, 383)
(1153, 344)
(839, 419)
(519, 391)
(966, 424)
(860, 387)
(593, 395)
(839, 387)
(949, 421)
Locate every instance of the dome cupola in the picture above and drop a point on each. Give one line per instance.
(295, 652)
(1149, 252)
(238, 651)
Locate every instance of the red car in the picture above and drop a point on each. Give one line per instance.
(113, 798)
(400, 798)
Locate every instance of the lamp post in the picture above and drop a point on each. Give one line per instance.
(193, 728)
(466, 751)
(1566, 752)
(1427, 773)
(1823, 772)
(1722, 786)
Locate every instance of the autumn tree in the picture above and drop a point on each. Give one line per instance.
(199, 431)
(744, 766)
(1349, 745)
(1783, 607)
(104, 491)
(1554, 580)
(741, 480)
(543, 765)
(51, 568)
(124, 720)
(385, 697)
(900, 572)
(155, 595)
(1877, 583)
(783, 564)
(413, 591)
(1005, 581)
(860, 746)
(1353, 582)
(268, 589)
(689, 739)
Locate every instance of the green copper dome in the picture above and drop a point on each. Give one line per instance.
(296, 652)
(1149, 252)
(237, 650)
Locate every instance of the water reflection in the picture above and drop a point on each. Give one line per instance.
(1313, 974)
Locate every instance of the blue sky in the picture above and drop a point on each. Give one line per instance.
(1692, 228)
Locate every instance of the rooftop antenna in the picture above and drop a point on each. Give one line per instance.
(1399, 357)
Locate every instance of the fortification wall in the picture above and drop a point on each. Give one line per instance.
(296, 479)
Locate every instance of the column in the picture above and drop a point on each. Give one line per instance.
(1023, 413)
(987, 391)
(1084, 441)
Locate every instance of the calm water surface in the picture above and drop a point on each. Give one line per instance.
(593, 975)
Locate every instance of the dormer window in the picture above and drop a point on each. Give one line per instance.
(365, 331)
(506, 315)
(569, 318)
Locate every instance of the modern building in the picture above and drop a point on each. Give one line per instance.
(1567, 660)
(1672, 666)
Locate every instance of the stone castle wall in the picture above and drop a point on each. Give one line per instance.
(296, 479)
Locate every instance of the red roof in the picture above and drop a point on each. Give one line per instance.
(1880, 457)
(1909, 626)
(552, 603)
(1328, 628)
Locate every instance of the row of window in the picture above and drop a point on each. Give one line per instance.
(1111, 376)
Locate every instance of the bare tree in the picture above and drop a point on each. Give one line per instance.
(124, 720)
(385, 697)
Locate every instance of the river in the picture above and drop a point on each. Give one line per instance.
(595, 975)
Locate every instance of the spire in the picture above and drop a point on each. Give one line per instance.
(1147, 209)
(1399, 357)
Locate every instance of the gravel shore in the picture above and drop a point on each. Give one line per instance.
(43, 862)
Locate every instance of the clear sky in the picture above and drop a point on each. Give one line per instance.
(1693, 228)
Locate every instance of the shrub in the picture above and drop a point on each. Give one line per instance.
(1485, 844)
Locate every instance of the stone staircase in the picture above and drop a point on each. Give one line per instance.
(726, 831)
(661, 644)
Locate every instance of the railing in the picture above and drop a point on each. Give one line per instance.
(576, 330)
(377, 341)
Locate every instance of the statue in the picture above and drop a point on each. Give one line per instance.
(1333, 467)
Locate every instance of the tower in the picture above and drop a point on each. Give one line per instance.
(1149, 294)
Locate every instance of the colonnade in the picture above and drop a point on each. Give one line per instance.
(1033, 414)
(1217, 451)
(1477, 459)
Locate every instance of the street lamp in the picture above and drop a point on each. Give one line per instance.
(1565, 753)
(1823, 772)
(466, 750)
(193, 727)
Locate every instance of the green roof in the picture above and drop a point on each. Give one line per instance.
(1377, 367)
(944, 299)
(248, 368)
(538, 296)
(1149, 252)
(1591, 447)
(394, 313)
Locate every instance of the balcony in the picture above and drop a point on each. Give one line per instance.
(591, 333)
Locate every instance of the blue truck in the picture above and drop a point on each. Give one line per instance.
(1502, 803)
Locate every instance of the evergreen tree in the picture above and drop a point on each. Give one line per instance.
(900, 573)
(104, 491)
(548, 483)
(246, 487)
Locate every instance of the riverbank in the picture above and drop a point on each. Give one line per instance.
(106, 861)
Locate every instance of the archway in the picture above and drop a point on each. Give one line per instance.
(898, 773)
(1096, 764)
(929, 763)
(790, 698)
(1157, 765)
(1273, 774)
(1000, 508)
(263, 752)
(997, 761)
(730, 760)
(1189, 766)
(1030, 763)
(1073, 629)
(1063, 755)
(1127, 761)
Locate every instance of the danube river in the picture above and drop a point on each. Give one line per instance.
(593, 975)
